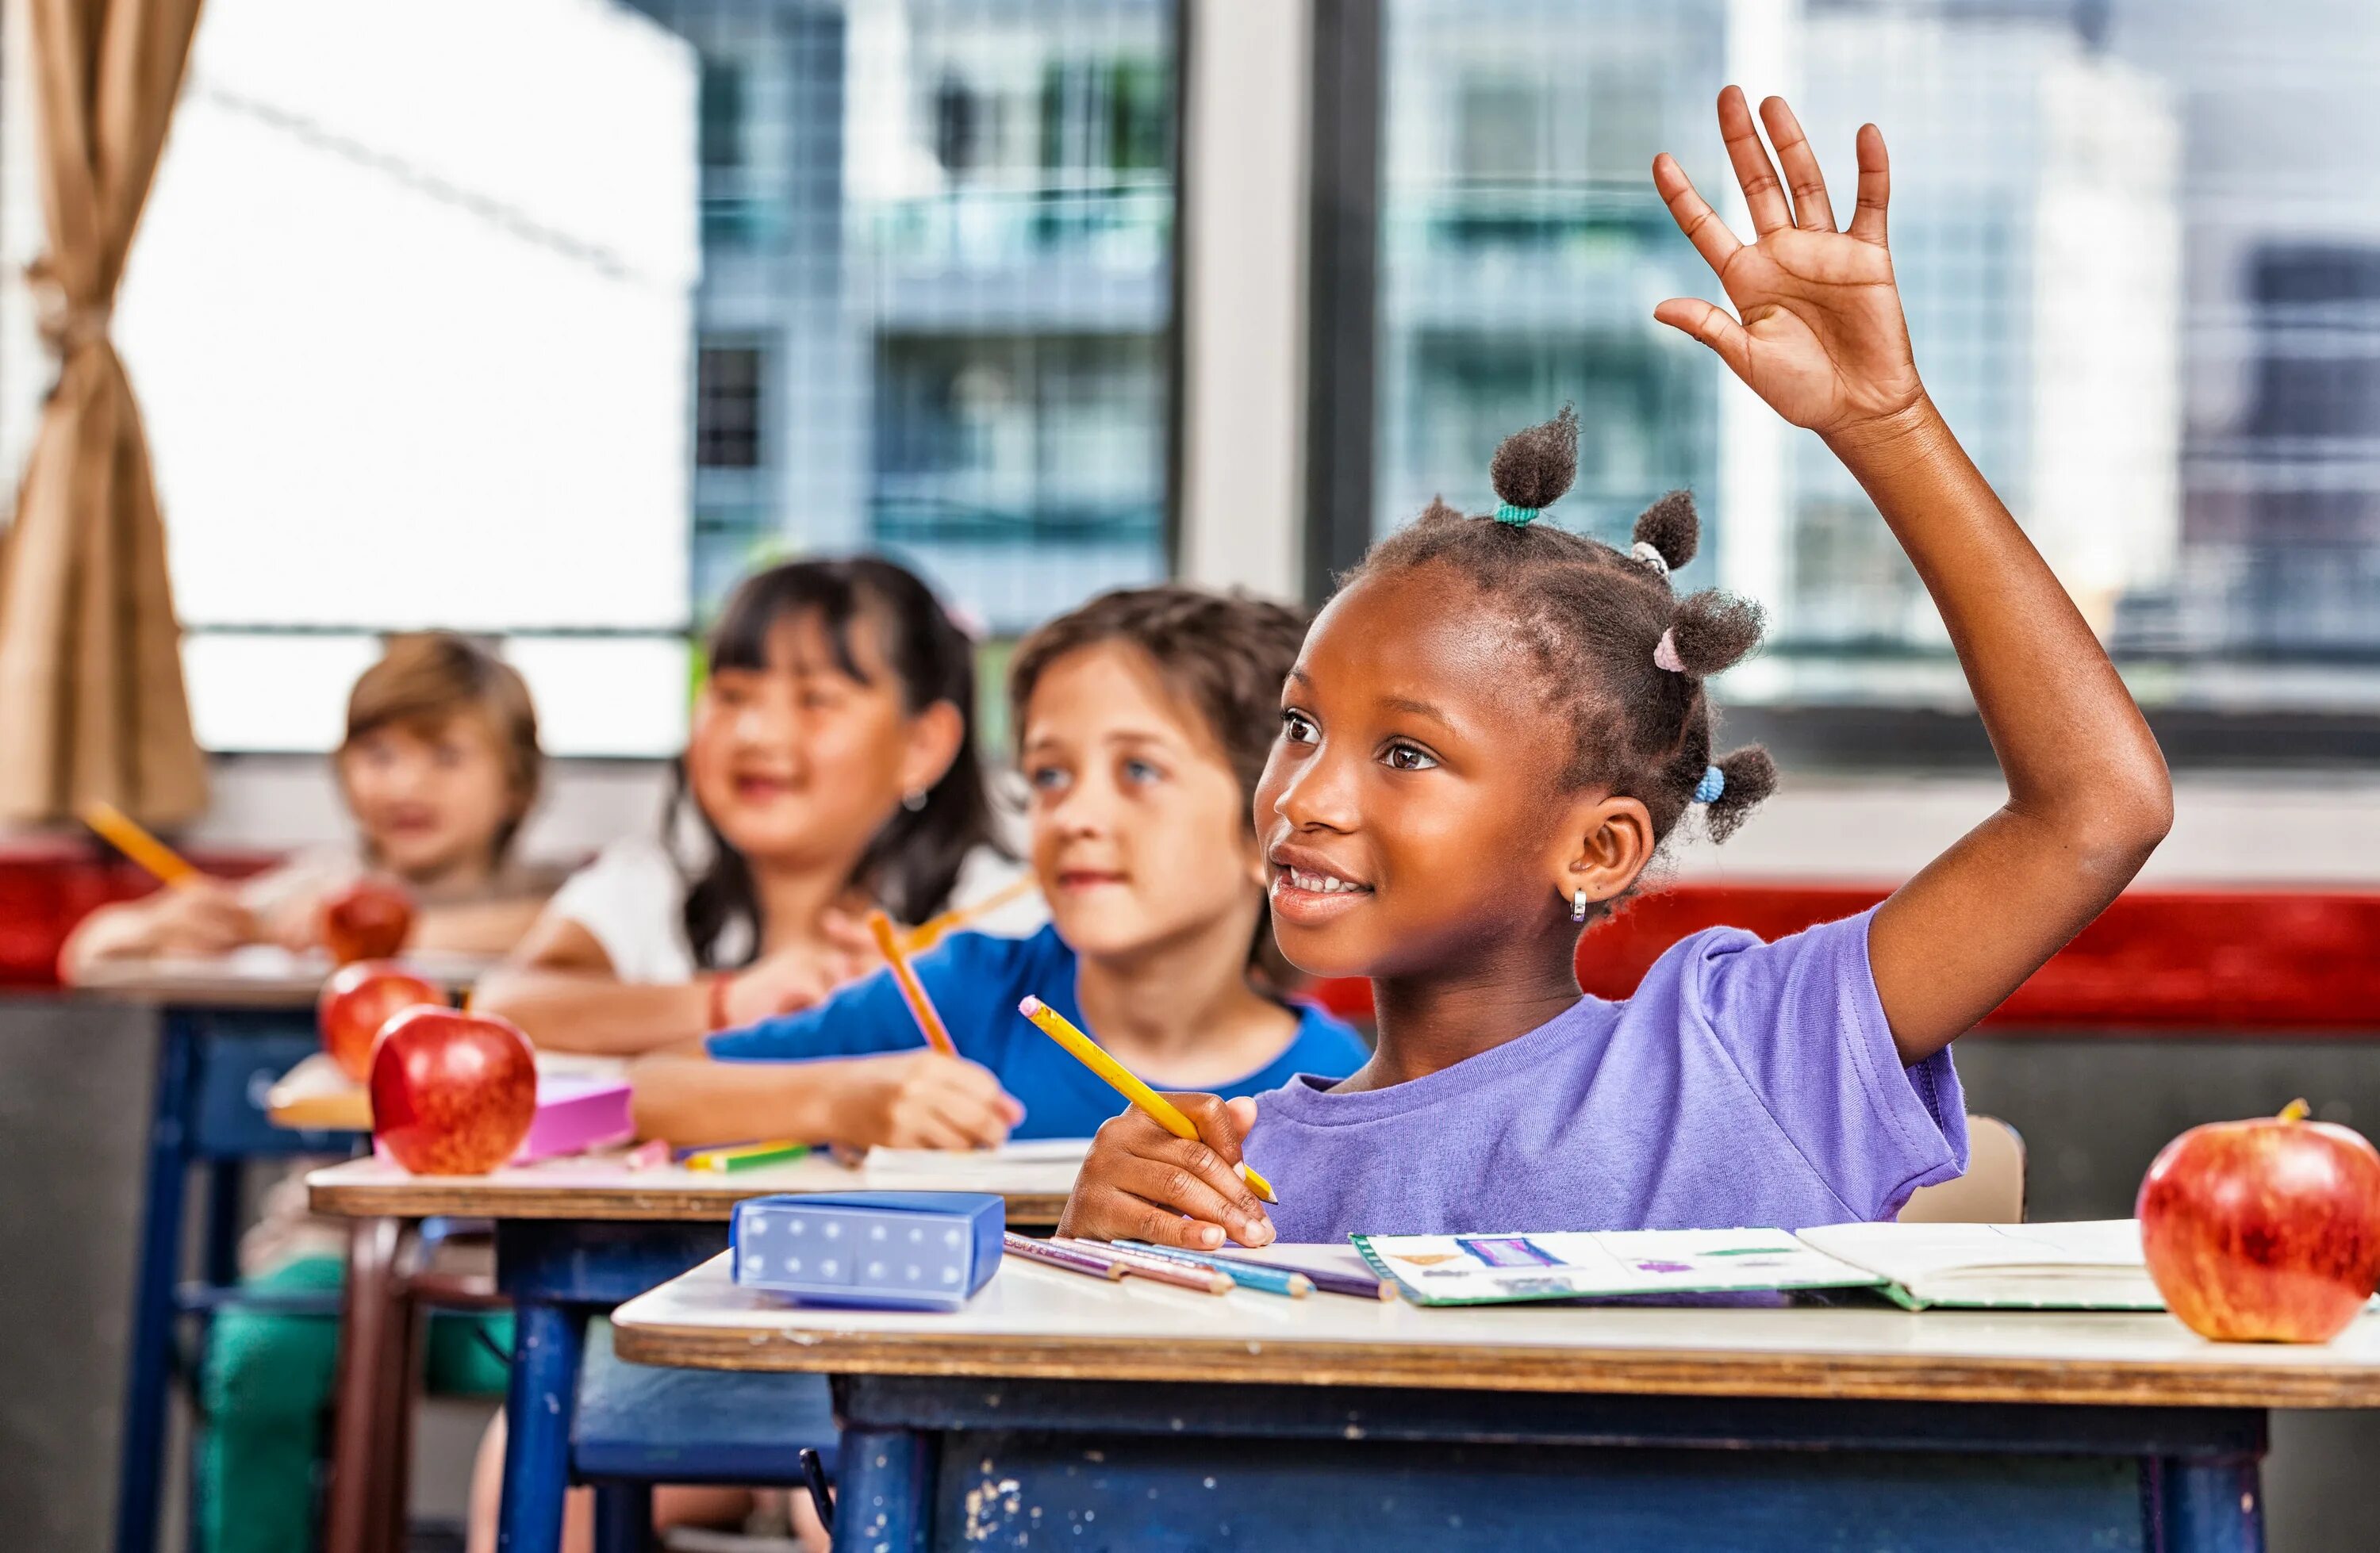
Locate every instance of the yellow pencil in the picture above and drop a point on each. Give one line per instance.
(1058, 1029)
(913, 991)
(932, 931)
(171, 867)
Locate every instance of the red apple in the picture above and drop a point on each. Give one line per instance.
(2264, 1230)
(369, 920)
(358, 1000)
(452, 1093)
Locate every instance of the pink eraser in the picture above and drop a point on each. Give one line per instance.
(576, 1113)
(1030, 1006)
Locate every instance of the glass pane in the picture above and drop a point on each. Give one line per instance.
(936, 291)
(2142, 272)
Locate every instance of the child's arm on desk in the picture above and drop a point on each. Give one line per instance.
(201, 917)
(908, 1100)
(559, 987)
(1822, 340)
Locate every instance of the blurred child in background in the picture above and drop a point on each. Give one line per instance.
(438, 768)
(831, 768)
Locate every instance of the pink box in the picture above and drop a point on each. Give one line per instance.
(576, 1113)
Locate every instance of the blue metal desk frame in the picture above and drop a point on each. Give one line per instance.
(207, 1110)
(949, 1463)
(560, 1272)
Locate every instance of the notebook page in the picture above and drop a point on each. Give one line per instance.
(2089, 1264)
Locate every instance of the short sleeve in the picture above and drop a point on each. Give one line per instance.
(1801, 1021)
(629, 901)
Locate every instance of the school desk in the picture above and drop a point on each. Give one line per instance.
(576, 1236)
(227, 1030)
(1062, 1411)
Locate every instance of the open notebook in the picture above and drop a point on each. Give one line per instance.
(2087, 1266)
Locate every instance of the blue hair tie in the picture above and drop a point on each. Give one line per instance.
(1518, 518)
(1713, 783)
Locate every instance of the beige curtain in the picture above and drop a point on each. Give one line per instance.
(91, 703)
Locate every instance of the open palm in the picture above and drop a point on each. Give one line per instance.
(1819, 331)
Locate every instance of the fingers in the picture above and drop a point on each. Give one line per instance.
(1874, 186)
(1098, 1211)
(1185, 1177)
(1763, 195)
(1693, 213)
(1219, 1127)
(1812, 210)
(1691, 315)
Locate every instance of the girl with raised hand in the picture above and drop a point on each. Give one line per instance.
(1495, 726)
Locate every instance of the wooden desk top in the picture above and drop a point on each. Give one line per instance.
(259, 976)
(604, 1187)
(1037, 1322)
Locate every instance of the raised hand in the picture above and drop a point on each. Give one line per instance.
(1819, 331)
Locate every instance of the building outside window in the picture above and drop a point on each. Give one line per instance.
(944, 228)
(2142, 271)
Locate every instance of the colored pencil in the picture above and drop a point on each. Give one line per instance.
(745, 1156)
(1041, 1250)
(1058, 1029)
(1207, 1281)
(167, 865)
(1329, 1281)
(1264, 1280)
(933, 930)
(913, 991)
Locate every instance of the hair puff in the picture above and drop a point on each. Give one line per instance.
(1531, 469)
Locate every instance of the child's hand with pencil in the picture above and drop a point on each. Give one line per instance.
(923, 1100)
(1139, 1182)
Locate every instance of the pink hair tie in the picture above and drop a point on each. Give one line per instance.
(1665, 654)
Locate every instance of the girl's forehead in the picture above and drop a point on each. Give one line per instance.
(800, 644)
(1420, 636)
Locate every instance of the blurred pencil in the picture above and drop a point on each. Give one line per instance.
(913, 991)
(1058, 1029)
(1329, 1281)
(745, 1156)
(1157, 1269)
(1287, 1281)
(1041, 1250)
(934, 929)
(169, 867)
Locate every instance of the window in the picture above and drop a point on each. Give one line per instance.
(402, 368)
(727, 407)
(943, 259)
(2168, 364)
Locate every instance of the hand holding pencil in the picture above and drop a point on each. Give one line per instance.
(1139, 1182)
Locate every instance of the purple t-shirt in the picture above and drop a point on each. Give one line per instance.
(1745, 1084)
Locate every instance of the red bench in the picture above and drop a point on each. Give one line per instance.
(2217, 960)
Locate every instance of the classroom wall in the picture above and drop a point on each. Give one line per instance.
(2268, 828)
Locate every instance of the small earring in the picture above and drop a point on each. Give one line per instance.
(914, 801)
(1578, 905)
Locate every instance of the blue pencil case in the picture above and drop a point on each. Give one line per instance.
(872, 1250)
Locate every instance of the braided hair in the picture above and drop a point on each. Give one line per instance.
(1618, 654)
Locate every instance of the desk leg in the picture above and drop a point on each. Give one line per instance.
(884, 1501)
(548, 1340)
(623, 1517)
(2210, 1504)
(147, 1373)
(372, 1307)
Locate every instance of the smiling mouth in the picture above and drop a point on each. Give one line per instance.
(1314, 883)
(1084, 878)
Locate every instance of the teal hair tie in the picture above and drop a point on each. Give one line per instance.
(1518, 518)
(1713, 783)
